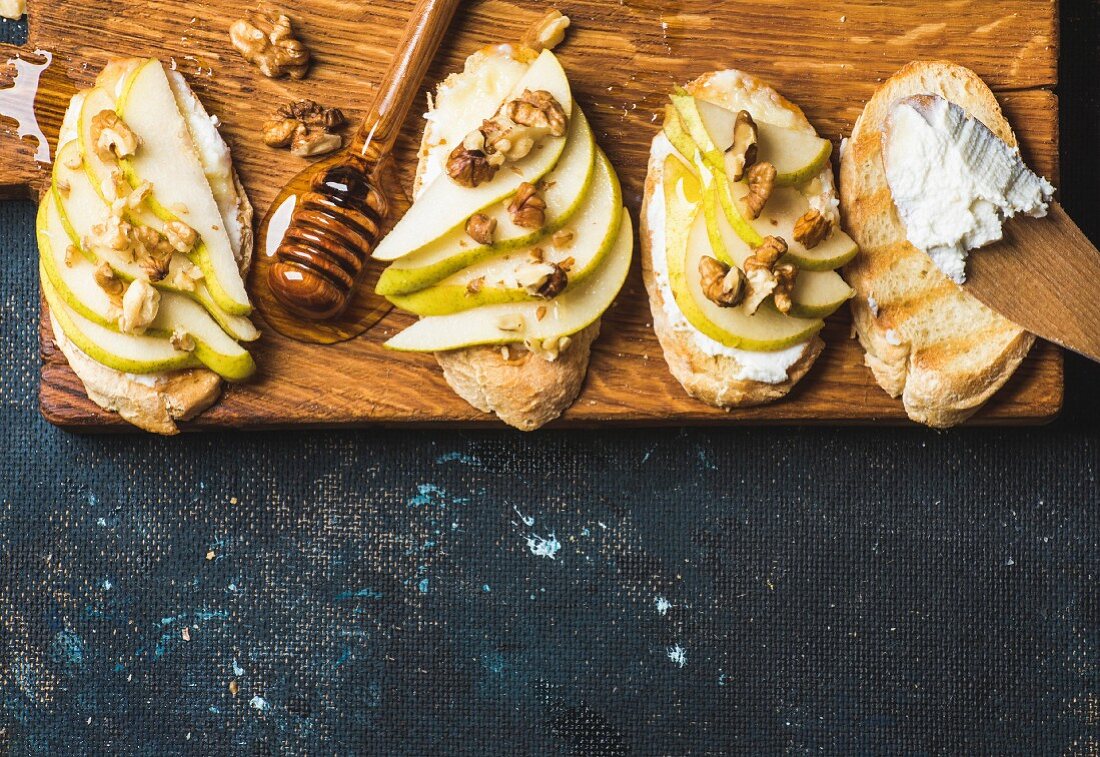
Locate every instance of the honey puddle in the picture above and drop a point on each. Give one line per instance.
(17, 101)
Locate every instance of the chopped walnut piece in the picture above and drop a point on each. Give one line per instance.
(186, 278)
(113, 235)
(812, 228)
(761, 180)
(785, 275)
(309, 142)
(528, 210)
(562, 239)
(567, 264)
(546, 33)
(279, 132)
(722, 284)
(139, 307)
(742, 153)
(109, 281)
(537, 110)
(549, 349)
(311, 113)
(181, 236)
(540, 312)
(475, 285)
(182, 341)
(481, 227)
(759, 272)
(111, 137)
(555, 283)
(71, 255)
(266, 39)
(469, 164)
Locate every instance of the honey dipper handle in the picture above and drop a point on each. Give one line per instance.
(401, 84)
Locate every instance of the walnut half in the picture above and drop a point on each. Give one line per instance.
(527, 208)
(546, 33)
(761, 181)
(722, 285)
(764, 277)
(266, 39)
(812, 228)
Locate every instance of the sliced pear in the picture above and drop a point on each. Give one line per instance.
(168, 160)
(766, 330)
(74, 282)
(677, 134)
(122, 352)
(567, 314)
(699, 119)
(567, 189)
(82, 206)
(798, 156)
(818, 294)
(595, 230)
(446, 205)
(783, 209)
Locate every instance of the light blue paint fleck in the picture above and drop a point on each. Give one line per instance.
(706, 461)
(69, 647)
(366, 592)
(214, 710)
(259, 703)
(430, 494)
(168, 621)
(237, 669)
(107, 584)
(721, 678)
(344, 657)
(528, 520)
(101, 522)
(493, 662)
(601, 524)
(663, 606)
(485, 588)
(678, 655)
(585, 531)
(458, 457)
(232, 586)
(92, 499)
(423, 586)
(202, 616)
(541, 547)
(119, 667)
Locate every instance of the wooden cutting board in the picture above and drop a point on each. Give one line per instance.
(623, 58)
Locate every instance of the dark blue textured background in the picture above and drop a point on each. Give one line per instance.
(833, 590)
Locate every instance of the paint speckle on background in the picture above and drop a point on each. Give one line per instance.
(259, 703)
(663, 606)
(678, 655)
(541, 547)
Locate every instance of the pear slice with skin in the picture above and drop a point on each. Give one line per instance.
(816, 294)
(168, 160)
(778, 218)
(595, 229)
(73, 281)
(512, 323)
(686, 241)
(566, 190)
(446, 205)
(797, 155)
(82, 206)
(122, 352)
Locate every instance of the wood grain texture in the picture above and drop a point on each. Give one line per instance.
(623, 58)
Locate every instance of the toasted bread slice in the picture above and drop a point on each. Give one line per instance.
(925, 338)
(709, 372)
(522, 388)
(155, 402)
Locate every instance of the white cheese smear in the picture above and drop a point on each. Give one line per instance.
(954, 182)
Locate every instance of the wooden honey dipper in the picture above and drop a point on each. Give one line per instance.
(337, 223)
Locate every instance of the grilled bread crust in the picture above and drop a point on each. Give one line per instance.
(711, 379)
(925, 338)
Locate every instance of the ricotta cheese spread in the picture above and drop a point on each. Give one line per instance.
(765, 367)
(955, 182)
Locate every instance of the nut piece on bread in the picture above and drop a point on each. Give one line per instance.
(926, 340)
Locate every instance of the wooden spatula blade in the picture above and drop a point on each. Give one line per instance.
(1045, 277)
